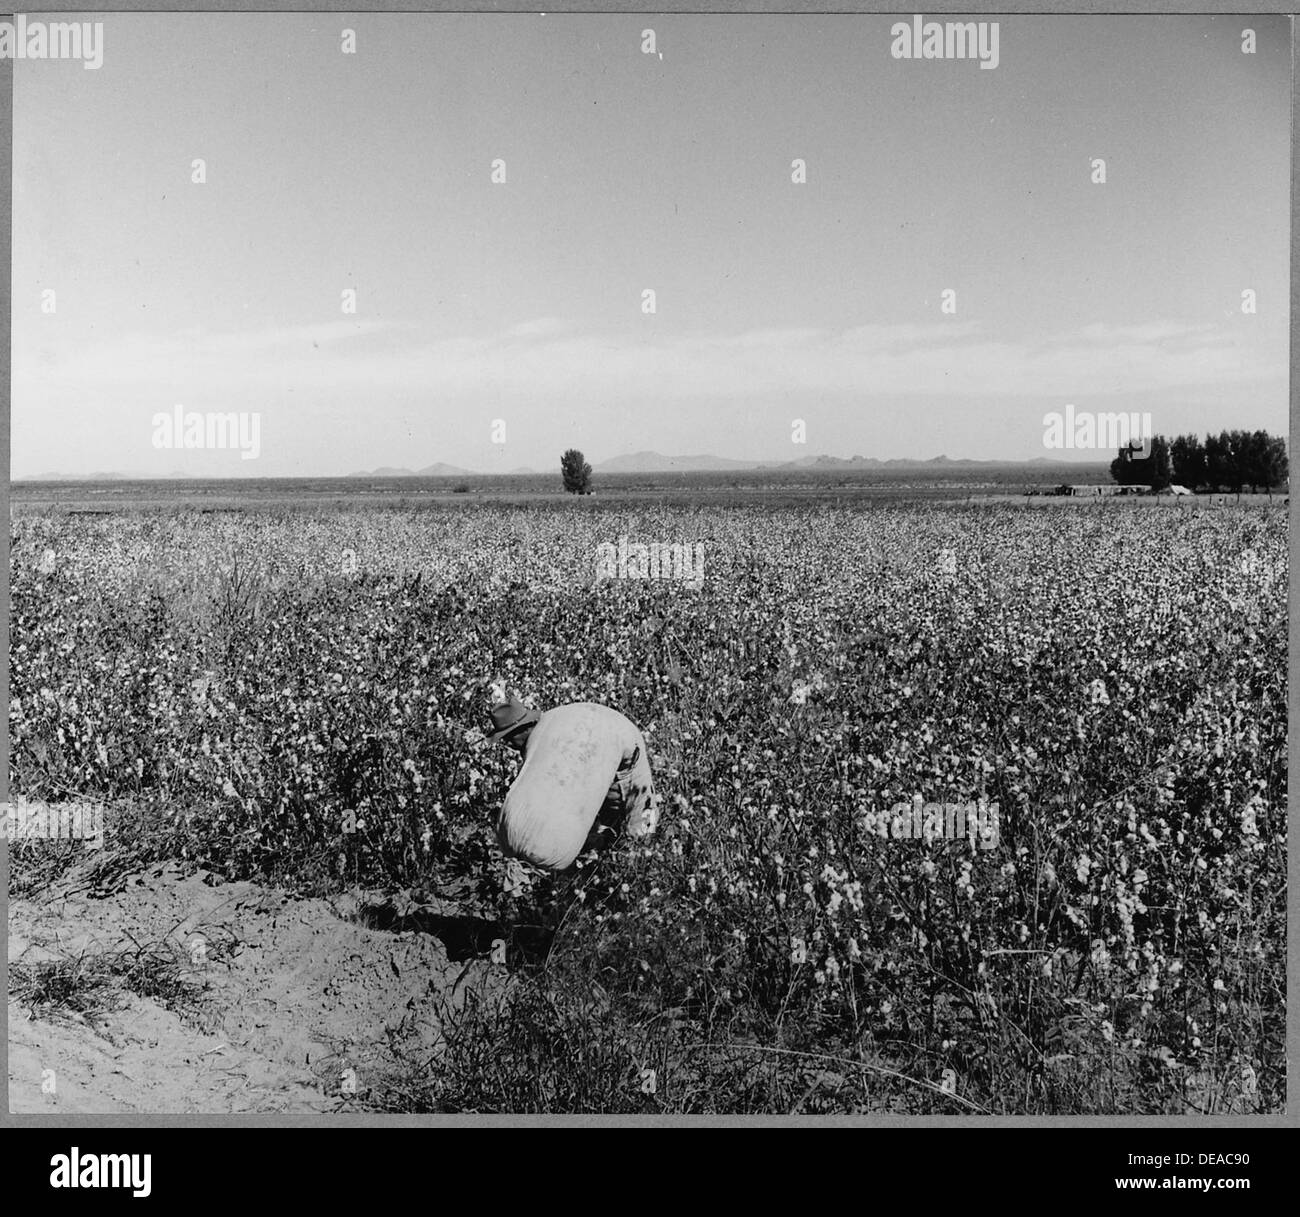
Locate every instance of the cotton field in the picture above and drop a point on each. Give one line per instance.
(299, 699)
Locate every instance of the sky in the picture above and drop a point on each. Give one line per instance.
(515, 310)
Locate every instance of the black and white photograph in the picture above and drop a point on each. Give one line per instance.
(651, 565)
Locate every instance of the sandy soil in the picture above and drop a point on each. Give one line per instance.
(293, 994)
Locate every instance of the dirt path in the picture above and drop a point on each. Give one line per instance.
(229, 997)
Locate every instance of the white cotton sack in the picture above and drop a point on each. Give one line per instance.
(572, 757)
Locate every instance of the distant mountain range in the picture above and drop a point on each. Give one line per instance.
(109, 476)
(632, 462)
(438, 470)
(657, 462)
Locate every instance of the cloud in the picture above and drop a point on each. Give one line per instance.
(199, 342)
(547, 357)
(1150, 331)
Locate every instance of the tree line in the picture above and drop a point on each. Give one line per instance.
(1229, 461)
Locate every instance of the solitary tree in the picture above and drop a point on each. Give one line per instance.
(576, 472)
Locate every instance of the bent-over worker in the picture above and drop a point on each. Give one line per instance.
(585, 769)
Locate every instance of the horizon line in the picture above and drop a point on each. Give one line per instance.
(741, 465)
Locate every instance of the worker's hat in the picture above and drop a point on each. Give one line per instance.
(511, 716)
